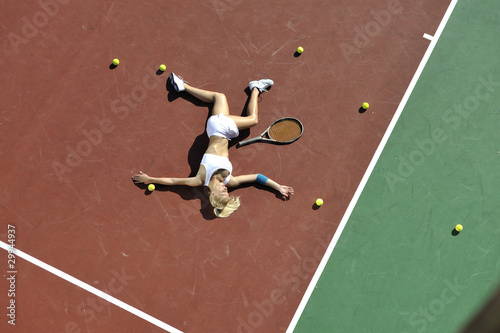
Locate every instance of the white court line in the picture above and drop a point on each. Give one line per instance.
(429, 37)
(95, 291)
(369, 170)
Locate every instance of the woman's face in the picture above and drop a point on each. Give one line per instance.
(220, 190)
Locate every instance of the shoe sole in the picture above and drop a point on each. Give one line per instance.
(172, 82)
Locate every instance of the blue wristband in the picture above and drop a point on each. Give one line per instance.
(261, 179)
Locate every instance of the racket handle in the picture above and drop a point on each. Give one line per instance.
(249, 141)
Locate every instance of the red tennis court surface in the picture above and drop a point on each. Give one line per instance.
(73, 131)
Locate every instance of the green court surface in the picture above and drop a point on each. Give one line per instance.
(397, 267)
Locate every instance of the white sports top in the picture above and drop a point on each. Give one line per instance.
(213, 163)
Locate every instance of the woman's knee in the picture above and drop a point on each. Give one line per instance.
(220, 97)
(255, 120)
(220, 104)
(251, 121)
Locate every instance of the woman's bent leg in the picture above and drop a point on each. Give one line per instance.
(252, 117)
(218, 99)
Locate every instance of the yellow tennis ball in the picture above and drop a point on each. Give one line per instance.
(300, 49)
(319, 201)
(459, 227)
(163, 67)
(151, 187)
(116, 62)
(366, 105)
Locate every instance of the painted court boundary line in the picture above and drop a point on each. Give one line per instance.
(95, 291)
(429, 37)
(369, 170)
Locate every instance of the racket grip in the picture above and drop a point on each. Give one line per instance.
(249, 141)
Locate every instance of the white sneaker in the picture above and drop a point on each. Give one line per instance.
(177, 82)
(262, 85)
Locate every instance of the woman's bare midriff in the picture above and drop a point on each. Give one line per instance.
(218, 146)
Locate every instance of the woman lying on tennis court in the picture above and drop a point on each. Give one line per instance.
(215, 170)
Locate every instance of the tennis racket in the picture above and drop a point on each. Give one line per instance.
(282, 131)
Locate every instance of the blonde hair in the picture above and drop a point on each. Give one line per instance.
(223, 207)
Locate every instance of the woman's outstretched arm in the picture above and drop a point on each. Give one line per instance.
(285, 190)
(143, 178)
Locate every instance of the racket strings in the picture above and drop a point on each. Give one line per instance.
(285, 130)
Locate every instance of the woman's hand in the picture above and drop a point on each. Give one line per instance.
(141, 178)
(286, 191)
